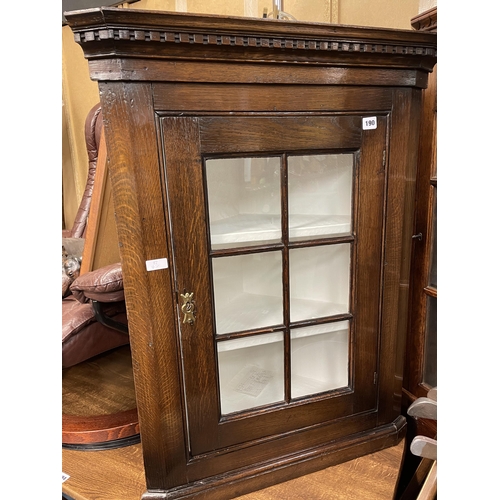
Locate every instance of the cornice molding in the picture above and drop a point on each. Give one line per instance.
(235, 40)
(426, 21)
(112, 25)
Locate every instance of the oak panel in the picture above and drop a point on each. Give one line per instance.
(190, 97)
(276, 133)
(255, 73)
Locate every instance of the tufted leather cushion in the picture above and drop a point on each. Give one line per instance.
(104, 285)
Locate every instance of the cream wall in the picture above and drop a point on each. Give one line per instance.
(426, 5)
(381, 13)
(313, 10)
(80, 93)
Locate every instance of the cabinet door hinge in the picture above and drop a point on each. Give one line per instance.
(383, 159)
(375, 378)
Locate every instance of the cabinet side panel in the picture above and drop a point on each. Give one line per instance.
(402, 164)
(136, 183)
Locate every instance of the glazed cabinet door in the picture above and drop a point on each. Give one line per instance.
(276, 230)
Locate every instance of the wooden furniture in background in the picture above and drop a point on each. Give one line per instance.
(95, 208)
(191, 102)
(421, 365)
(101, 241)
(422, 484)
(421, 346)
(99, 410)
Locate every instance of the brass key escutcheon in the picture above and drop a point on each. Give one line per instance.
(188, 307)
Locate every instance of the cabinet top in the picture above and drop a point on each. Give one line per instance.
(109, 32)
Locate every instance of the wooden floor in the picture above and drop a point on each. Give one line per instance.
(99, 386)
(119, 475)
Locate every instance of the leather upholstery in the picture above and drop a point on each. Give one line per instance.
(104, 285)
(83, 336)
(93, 130)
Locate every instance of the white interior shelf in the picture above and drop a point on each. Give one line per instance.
(304, 309)
(266, 228)
(245, 228)
(311, 225)
(251, 369)
(247, 311)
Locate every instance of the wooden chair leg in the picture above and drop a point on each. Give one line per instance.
(429, 489)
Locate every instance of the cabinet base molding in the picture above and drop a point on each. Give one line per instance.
(241, 482)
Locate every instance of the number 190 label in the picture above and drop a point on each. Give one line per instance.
(369, 123)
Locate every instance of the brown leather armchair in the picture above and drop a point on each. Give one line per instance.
(73, 239)
(94, 327)
(94, 317)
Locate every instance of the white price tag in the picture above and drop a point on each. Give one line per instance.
(369, 123)
(65, 477)
(155, 264)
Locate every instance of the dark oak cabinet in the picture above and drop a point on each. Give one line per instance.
(263, 177)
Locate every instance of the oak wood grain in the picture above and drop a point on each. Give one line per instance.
(105, 474)
(151, 301)
(425, 198)
(256, 73)
(98, 400)
(95, 209)
(401, 163)
(429, 489)
(113, 474)
(103, 384)
(276, 133)
(186, 97)
(369, 477)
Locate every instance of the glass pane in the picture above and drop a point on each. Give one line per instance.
(319, 196)
(320, 358)
(430, 353)
(319, 281)
(244, 202)
(251, 372)
(248, 291)
(433, 255)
